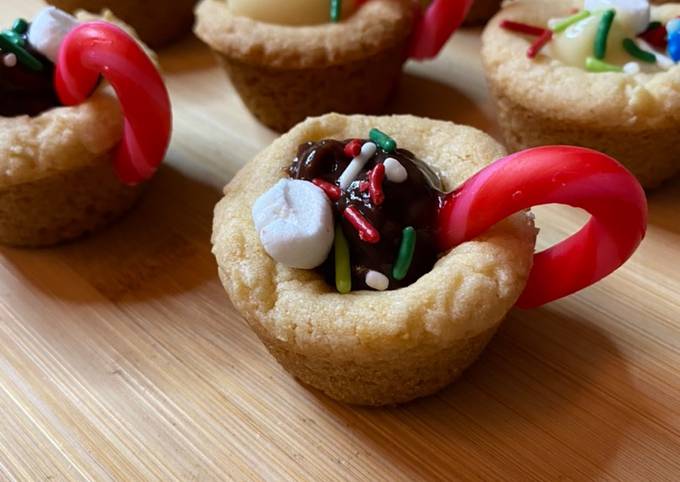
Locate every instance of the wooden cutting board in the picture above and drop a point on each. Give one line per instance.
(122, 358)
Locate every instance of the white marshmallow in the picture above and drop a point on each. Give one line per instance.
(48, 30)
(377, 281)
(394, 171)
(350, 174)
(295, 223)
(633, 14)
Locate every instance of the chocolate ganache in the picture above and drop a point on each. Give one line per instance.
(24, 90)
(413, 202)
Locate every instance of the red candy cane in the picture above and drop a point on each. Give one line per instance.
(559, 174)
(436, 25)
(99, 48)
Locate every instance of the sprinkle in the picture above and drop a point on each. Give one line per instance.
(600, 47)
(357, 164)
(594, 65)
(365, 229)
(10, 60)
(405, 256)
(343, 269)
(521, 28)
(673, 25)
(539, 43)
(631, 68)
(375, 181)
(385, 142)
(336, 10)
(22, 54)
(674, 46)
(631, 47)
(656, 35)
(662, 61)
(562, 25)
(364, 186)
(394, 171)
(332, 191)
(20, 26)
(377, 281)
(14, 37)
(353, 148)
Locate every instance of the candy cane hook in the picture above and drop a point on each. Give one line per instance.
(439, 21)
(99, 48)
(559, 174)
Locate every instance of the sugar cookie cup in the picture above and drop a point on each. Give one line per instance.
(82, 157)
(365, 347)
(285, 74)
(633, 118)
(58, 180)
(156, 22)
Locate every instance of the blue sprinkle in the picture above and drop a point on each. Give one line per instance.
(674, 46)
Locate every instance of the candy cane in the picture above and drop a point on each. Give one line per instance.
(559, 174)
(436, 25)
(99, 48)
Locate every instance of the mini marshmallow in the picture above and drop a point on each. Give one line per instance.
(350, 174)
(377, 281)
(48, 30)
(394, 171)
(633, 14)
(295, 223)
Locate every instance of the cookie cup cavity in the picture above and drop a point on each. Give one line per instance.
(57, 180)
(285, 74)
(633, 118)
(374, 348)
(156, 22)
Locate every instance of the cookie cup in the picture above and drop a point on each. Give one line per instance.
(633, 118)
(156, 22)
(57, 180)
(285, 74)
(366, 347)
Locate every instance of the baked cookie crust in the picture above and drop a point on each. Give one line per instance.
(366, 347)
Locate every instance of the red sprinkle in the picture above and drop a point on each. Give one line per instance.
(353, 148)
(522, 28)
(332, 191)
(656, 37)
(365, 229)
(539, 43)
(364, 186)
(375, 179)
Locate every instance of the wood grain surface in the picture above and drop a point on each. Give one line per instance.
(121, 357)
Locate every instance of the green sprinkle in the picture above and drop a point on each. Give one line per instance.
(568, 22)
(20, 26)
(594, 65)
(653, 25)
(385, 142)
(336, 10)
(405, 256)
(14, 37)
(631, 47)
(605, 24)
(343, 270)
(22, 54)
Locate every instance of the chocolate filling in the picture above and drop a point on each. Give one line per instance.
(413, 202)
(24, 91)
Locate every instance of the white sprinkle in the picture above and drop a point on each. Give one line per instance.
(10, 60)
(631, 68)
(394, 171)
(662, 61)
(377, 281)
(357, 164)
